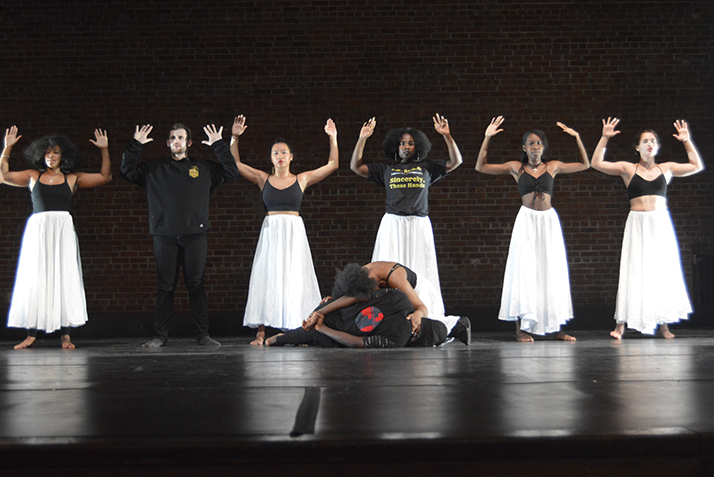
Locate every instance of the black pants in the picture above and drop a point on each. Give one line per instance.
(173, 253)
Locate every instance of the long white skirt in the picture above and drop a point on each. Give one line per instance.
(49, 289)
(651, 289)
(430, 296)
(536, 285)
(283, 287)
(409, 240)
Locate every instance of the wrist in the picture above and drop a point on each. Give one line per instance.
(685, 139)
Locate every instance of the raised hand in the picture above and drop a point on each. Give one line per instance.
(239, 126)
(101, 139)
(330, 128)
(492, 128)
(568, 130)
(213, 135)
(682, 130)
(441, 125)
(142, 134)
(368, 128)
(608, 127)
(11, 136)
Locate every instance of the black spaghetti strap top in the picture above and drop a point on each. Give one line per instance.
(543, 184)
(639, 186)
(282, 200)
(411, 276)
(51, 198)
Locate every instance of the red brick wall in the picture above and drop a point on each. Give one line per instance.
(288, 66)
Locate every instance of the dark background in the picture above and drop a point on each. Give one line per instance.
(73, 66)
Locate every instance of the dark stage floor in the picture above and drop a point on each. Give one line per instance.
(643, 406)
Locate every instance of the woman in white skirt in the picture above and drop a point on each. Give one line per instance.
(651, 293)
(49, 290)
(283, 287)
(405, 234)
(536, 286)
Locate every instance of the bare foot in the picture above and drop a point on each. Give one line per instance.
(66, 343)
(618, 331)
(562, 336)
(259, 337)
(271, 341)
(28, 343)
(523, 337)
(664, 331)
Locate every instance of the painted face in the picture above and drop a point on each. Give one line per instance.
(534, 148)
(53, 157)
(178, 142)
(280, 155)
(407, 147)
(648, 145)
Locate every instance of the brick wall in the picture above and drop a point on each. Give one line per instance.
(288, 66)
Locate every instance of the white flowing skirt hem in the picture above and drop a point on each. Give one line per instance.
(651, 288)
(283, 288)
(409, 240)
(536, 283)
(49, 288)
(430, 296)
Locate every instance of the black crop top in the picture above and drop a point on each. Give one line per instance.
(411, 276)
(282, 200)
(639, 186)
(51, 198)
(542, 184)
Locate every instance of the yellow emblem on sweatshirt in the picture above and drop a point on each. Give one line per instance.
(193, 172)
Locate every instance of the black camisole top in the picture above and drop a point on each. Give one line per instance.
(542, 184)
(51, 198)
(282, 200)
(640, 187)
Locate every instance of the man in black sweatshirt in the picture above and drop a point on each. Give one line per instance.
(178, 189)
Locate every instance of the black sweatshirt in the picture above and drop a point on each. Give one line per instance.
(178, 191)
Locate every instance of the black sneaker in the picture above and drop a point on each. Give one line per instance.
(462, 330)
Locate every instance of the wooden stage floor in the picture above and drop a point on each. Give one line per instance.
(642, 406)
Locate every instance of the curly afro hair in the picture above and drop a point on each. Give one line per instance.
(390, 146)
(541, 135)
(353, 281)
(35, 153)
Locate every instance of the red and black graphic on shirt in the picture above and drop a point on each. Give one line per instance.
(369, 319)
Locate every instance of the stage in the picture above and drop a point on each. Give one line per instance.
(642, 406)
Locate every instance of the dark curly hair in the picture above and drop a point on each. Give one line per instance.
(353, 281)
(541, 135)
(390, 146)
(35, 153)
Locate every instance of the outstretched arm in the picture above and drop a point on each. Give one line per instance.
(356, 162)
(482, 164)
(17, 178)
(332, 306)
(309, 178)
(87, 180)
(695, 163)
(569, 167)
(441, 125)
(341, 337)
(255, 176)
(598, 162)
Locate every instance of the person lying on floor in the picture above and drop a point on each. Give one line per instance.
(365, 316)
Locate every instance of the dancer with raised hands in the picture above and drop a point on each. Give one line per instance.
(536, 284)
(405, 233)
(651, 293)
(49, 287)
(283, 285)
